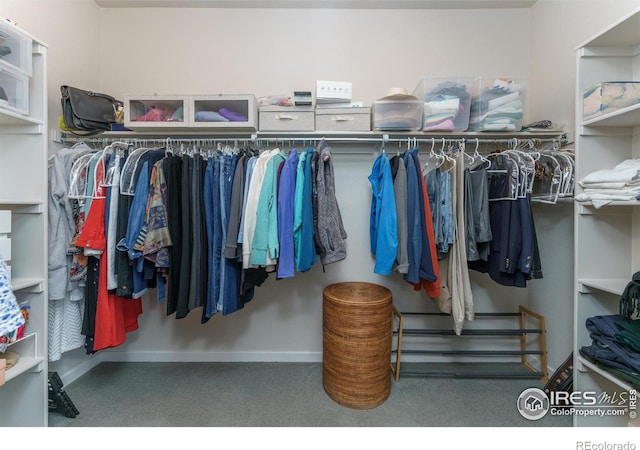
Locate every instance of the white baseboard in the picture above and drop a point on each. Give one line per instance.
(71, 375)
(130, 356)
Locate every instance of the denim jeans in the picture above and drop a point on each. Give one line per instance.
(211, 301)
(215, 242)
(229, 276)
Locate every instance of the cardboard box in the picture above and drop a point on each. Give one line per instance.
(286, 118)
(343, 119)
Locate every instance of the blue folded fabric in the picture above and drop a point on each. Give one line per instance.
(210, 116)
(605, 325)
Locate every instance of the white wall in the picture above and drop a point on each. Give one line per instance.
(193, 51)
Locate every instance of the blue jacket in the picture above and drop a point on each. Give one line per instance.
(307, 247)
(286, 202)
(383, 221)
(414, 223)
(426, 271)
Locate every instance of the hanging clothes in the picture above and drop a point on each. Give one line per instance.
(185, 224)
(513, 253)
(306, 241)
(114, 316)
(286, 207)
(253, 197)
(182, 308)
(456, 297)
(66, 305)
(172, 169)
(428, 270)
(265, 248)
(233, 249)
(399, 175)
(383, 223)
(330, 233)
(476, 212)
(230, 278)
(213, 227)
(438, 183)
(198, 266)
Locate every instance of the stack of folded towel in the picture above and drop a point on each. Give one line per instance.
(622, 183)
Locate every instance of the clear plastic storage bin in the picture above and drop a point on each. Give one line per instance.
(15, 49)
(397, 114)
(498, 104)
(224, 111)
(154, 111)
(14, 91)
(447, 102)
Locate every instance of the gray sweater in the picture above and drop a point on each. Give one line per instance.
(61, 221)
(331, 234)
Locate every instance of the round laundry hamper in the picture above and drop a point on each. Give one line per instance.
(356, 344)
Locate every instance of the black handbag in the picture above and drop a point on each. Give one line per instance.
(87, 112)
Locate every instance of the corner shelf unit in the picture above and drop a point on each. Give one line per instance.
(607, 239)
(24, 192)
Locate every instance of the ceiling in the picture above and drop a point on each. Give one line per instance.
(346, 4)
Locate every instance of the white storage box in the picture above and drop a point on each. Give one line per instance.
(397, 114)
(15, 49)
(224, 112)
(287, 118)
(343, 119)
(607, 97)
(333, 91)
(155, 111)
(14, 91)
(5, 248)
(447, 102)
(498, 104)
(5, 222)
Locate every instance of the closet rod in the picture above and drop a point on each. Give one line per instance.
(384, 139)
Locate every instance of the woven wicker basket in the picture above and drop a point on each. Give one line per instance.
(356, 353)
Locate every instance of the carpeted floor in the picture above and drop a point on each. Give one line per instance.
(281, 395)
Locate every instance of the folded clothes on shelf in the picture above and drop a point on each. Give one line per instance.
(10, 358)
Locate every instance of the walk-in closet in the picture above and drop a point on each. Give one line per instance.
(145, 248)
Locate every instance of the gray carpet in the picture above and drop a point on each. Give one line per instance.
(281, 395)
